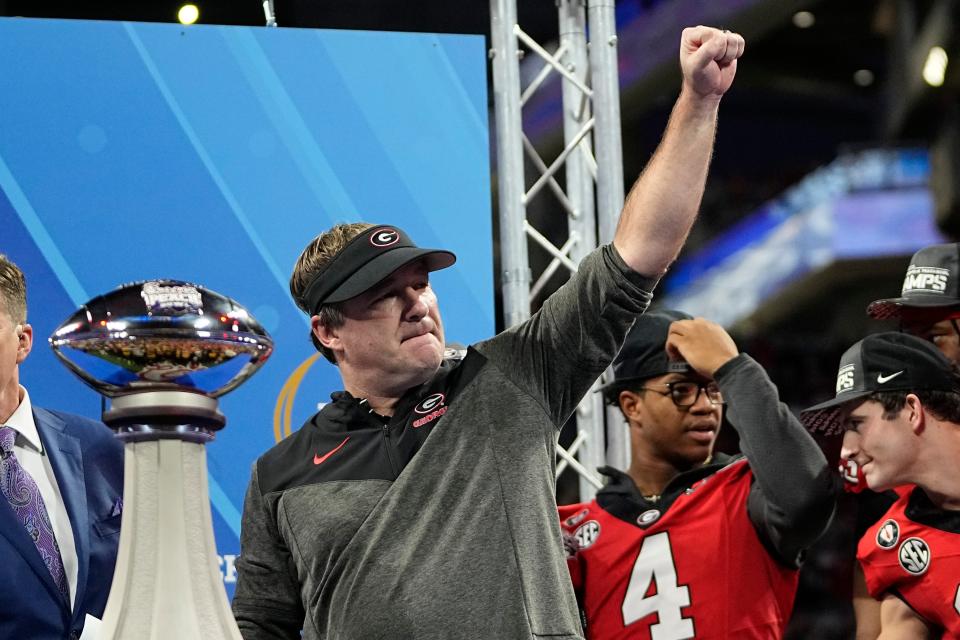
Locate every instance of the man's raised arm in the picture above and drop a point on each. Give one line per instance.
(663, 203)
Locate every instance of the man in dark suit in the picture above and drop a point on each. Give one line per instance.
(61, 482)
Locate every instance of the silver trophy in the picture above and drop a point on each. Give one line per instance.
(163, 351)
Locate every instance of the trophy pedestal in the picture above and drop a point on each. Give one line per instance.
(167, 582)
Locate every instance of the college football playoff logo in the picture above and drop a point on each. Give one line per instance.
(888, 534)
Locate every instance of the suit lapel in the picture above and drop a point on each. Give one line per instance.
(16, 534)
(66, 459)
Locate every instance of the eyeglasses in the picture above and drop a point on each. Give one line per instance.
(685, 393)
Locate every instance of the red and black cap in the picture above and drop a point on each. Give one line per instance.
(644, 353)
(888, 361)
(932, 281)
(365, 261)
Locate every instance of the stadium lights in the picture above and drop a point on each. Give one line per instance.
(803, 19)
(935, 68)
(863, 77)
(188, 14)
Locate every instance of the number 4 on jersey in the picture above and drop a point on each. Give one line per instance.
(655, 565)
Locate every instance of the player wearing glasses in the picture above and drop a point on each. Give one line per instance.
(690, 542)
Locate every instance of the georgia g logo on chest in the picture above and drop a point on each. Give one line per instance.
(431, 408)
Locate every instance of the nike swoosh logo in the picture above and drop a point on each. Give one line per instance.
(882, 379)
(321, 459)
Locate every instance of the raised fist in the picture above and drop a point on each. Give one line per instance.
(708, 58)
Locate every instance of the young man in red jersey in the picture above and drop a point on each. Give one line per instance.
(689, 543)
(929, 308)
(898, 399)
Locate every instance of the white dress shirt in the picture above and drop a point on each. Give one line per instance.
(33, 458)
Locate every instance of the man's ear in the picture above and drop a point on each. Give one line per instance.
(25, 345)
(328, 337)
(914, 413)
(630, 405)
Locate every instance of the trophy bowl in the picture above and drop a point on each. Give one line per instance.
(162, 335)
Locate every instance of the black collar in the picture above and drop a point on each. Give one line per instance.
(622, 499)
(920, 509)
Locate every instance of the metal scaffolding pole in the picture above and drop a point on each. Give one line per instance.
(581, 224)
(582, 192)
(515, 274)
(606, 87)
(606, 106)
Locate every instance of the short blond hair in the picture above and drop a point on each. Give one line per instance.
(311, 263)
(13, 291)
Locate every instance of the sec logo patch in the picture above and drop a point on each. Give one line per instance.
(914, 556)
(587, 533)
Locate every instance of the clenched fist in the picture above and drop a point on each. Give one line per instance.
(708, 58)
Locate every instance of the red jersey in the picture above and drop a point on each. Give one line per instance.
(913, 552)
(689, 567)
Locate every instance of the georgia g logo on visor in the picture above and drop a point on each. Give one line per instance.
(384, 237)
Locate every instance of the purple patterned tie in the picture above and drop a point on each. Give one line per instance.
(24, 496)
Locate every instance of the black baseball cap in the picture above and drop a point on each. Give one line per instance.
(365, 261)
(888, 361)
(932, 280)
(643, 354)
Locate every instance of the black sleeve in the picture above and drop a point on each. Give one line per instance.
(794, 493)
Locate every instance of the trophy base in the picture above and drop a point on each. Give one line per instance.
(163, 415)
(167, 584)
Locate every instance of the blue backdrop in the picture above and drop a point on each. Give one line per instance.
(213, 155)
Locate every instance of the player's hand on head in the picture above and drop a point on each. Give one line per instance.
(705, 345)
(708, 59)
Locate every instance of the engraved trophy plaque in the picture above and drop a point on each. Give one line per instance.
(163, 351)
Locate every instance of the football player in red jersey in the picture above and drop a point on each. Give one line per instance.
(898, 398)
(689, 543)
(929, 308)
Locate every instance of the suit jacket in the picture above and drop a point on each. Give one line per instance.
(87, 461)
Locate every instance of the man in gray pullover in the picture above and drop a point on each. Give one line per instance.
(420, 502)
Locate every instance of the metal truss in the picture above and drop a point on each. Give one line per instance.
(590, 197)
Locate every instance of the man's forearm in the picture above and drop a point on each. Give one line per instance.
(663, 203)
